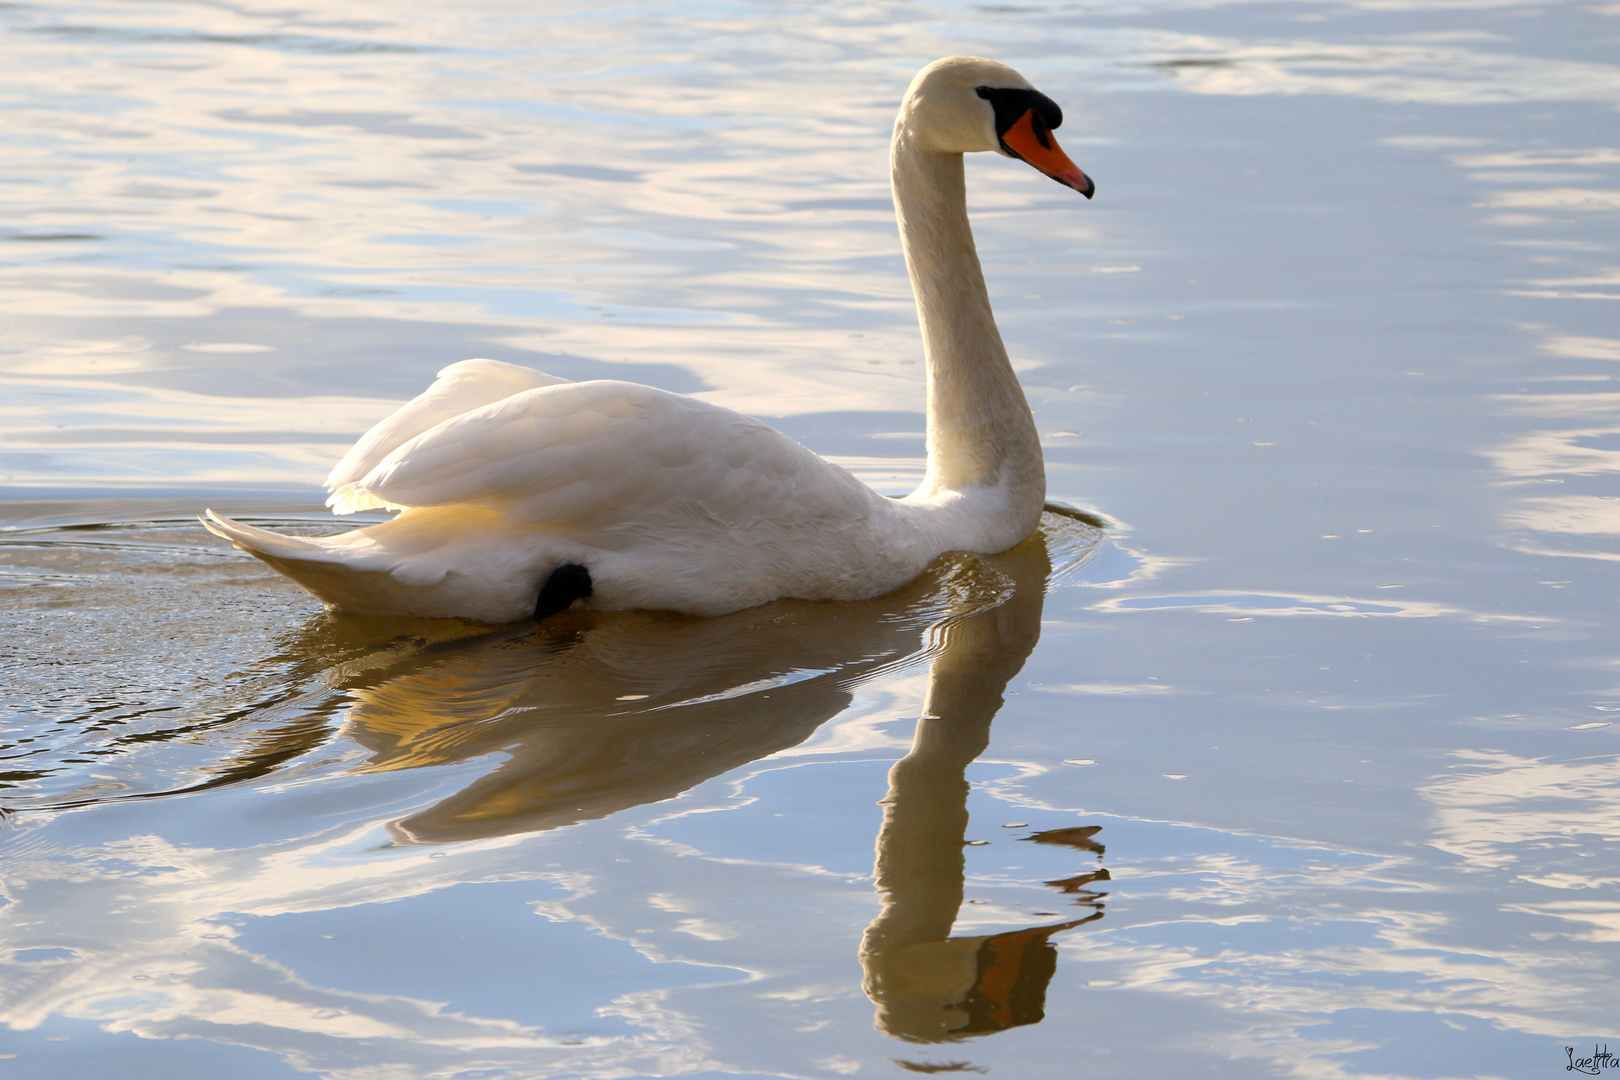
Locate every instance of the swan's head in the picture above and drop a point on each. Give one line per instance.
(966, 104)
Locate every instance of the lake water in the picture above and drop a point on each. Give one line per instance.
(1305, 766)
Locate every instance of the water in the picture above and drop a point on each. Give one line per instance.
(1322, 725)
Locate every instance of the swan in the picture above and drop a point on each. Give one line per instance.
(520, 493)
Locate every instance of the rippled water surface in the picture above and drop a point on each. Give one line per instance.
(1304, 766)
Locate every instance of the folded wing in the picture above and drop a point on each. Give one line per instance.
(616, 461)
(460, 388)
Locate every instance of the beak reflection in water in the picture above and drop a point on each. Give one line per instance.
(599, 712)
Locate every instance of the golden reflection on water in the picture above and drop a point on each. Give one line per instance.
(595, 713)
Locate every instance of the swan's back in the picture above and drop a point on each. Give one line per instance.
(459, 388)
(615, 458)
(669, 501)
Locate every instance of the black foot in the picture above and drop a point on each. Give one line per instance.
(566, 584)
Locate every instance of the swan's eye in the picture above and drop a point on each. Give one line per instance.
(1024, 123)
(1011, 104)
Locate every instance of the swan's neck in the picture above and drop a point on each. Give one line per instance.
(980, 434)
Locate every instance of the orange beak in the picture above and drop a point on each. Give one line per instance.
(1031, 140)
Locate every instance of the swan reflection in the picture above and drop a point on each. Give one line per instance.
(599, 712)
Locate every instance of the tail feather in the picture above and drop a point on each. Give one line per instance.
(319, 568)
(257, 541)
(404, 567)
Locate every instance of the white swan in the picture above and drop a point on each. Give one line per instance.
(520, 492)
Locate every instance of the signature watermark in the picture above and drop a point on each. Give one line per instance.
(1590, 1066)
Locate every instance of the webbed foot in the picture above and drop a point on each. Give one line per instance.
(567, 583)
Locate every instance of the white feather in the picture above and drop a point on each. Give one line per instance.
(460, 387)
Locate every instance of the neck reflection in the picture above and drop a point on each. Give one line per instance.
(927, 985)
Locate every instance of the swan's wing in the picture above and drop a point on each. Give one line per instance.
(610, 459)
(460, 388)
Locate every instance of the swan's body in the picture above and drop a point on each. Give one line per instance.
(503, 474)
